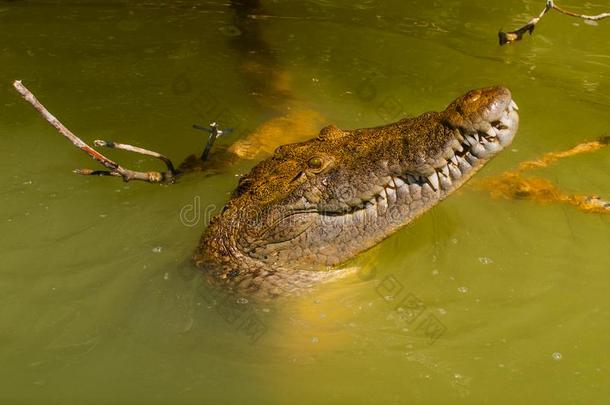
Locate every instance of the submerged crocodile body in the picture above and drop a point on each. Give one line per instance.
(316, 204)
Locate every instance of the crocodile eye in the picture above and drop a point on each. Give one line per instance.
(315, 163)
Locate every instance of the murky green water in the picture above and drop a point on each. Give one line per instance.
(99, 302)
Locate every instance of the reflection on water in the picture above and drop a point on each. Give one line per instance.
(100, 302)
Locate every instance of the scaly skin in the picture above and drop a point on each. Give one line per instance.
(314, 205)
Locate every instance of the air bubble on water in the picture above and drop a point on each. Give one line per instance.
(265, 310)
(103, 215)
(157, 249)
(389, 298)
(485, 260)
(463, 290)
(435, 272)
(27, 183)
(166, 276)
(591, 22)
(315, 340)
(242, 300)
(442, 311)
(557, 356)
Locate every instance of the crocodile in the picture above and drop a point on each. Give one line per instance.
(311, 206)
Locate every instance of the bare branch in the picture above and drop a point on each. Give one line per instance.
(136, 149)
(114, 169)
(215, 132)
(583, 16)
(517, 35)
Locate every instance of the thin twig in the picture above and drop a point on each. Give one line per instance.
(114, 169)
(137, 149)
(583, 16)
(517, 35)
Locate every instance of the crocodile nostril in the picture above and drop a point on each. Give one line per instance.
(499, 125)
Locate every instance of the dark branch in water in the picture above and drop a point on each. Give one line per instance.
(517, 35)
(114, 169)
(215, 132)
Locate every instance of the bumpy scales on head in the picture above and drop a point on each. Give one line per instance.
(315, 204)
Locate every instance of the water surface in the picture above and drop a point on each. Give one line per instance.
(99, 301)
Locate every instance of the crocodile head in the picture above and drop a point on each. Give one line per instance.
(315, 204)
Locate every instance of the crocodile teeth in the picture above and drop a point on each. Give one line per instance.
(478, 150)
(446, 183)
(491, 132)
(399, 182)
(455, 144)
(514, 105)
(454, 172)
(391, 195)
(492, 146)
(448, 154)
(459, 136)
(506, 121)
(382, 205)
(464, 166)
(445, 170)
(433, 181)
(454, 160)
(471, 159)
(484, 126)
(371, 210)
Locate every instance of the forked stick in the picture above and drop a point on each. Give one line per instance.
(517, 35)
(114, 169)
